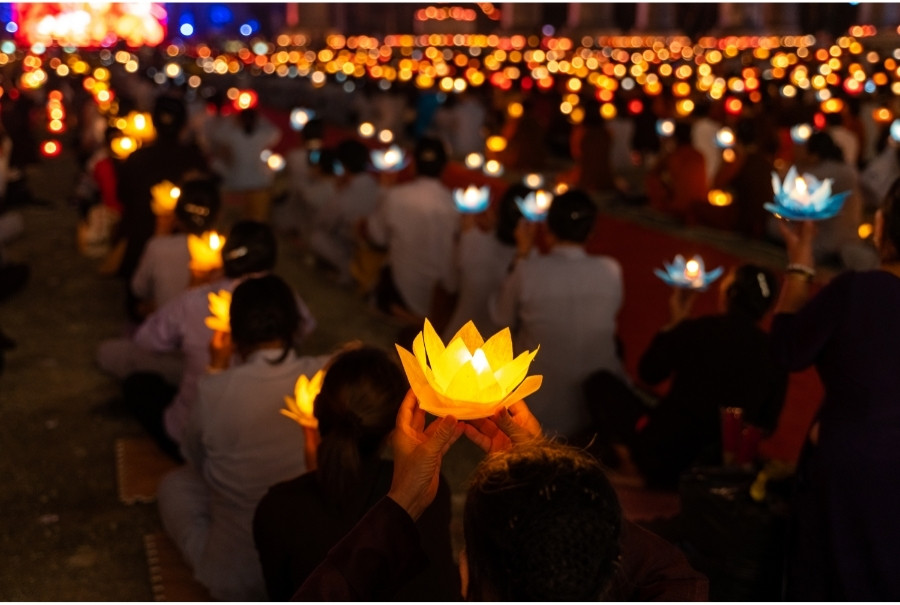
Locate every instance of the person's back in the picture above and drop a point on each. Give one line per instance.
(299, 521)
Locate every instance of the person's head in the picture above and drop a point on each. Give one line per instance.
(169, 117)
(248, 118)
(541, 523)
(748, 290)
(821, 146)
(251, 247)
(353, 156)
(682, 133)
(887, 225)
(198, 205)
(430, 156)
(356, 409)
(314, 130)
(263, 314)
(322, 159)
(571, 216)
(508, 213)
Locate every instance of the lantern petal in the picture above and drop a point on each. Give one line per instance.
(315, 384)
(528, 386)
(498, 349)
(419, 351)
(426, 395)
(464, 385)
(434, 346)
(515, 371)
(461, 410)
(217, 325)
(449, 363)
(470, 335)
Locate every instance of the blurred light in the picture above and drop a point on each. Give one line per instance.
(275, 162)
(474, 160)
(728, 155)
(719, 198)
(493, 168)
(186, 29)
(300, 117)
(51, 149)
(801, 133)
(725, 138)
(385, 136)
(665, 128)
(366, 130)
(533, 180)
(865, 230)
(515, 110)
(246, 30)
(882, 115)
(895, 130)
(496, 143)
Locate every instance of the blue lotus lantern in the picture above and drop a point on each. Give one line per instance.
(804, 198)
(895, 130)
(725, 138)
(535, 205)
(300, 117)
(690, 275)
(391, 159)
(472, 199)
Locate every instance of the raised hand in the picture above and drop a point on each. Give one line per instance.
(503, 430)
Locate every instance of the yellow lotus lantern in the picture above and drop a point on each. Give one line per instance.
(165, 195)
(206, 251)
(469, 378)
(300, 406)
(220, 307)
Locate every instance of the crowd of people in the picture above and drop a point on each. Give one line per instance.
(354, 506)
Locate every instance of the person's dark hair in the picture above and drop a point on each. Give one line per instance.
(431, 157)
(508, 213)
(356, 408)
(324, 158)
(248, 119)
(353, 155)
(198, 205)
(571, 216)
(169, 117)
(746, 133)
(682, 134)
(263, 309)
(890, 214)
(314, 130)
(752, 292)
(249, 248)
(821, 145)
(541, 523)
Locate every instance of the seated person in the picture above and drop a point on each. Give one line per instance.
(163, 271)
(297, 522)
(236, 443)
(541, 523)
(715, 361)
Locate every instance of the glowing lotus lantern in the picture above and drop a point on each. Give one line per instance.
(473, 199)
(391, 159)
(725, 138)
(665, 128)
(300, 406)
(139, 126)
(123, 146)
(300, 117)
(220, 307)
(469, 378)
(690, 275)
(804, 198)
(895, 130)
(800, 133)
(164, 197)
(535, 205)
(206, 251)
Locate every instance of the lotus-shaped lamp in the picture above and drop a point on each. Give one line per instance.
(300, 117)
(472, 199)
(690, 275)
(164, 197)
(804, 198)
(800, 133)
(206, 251)
(535, 205)
(219, 306)
(391, 159)
(725, 138)
(895, 130)
(469, 378)
(300, 406)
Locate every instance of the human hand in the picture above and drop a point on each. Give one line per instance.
(798, 242)
(418, 452)
(221, 350)
(680, 303)
(506, 428)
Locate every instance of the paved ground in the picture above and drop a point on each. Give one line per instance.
(65, 535)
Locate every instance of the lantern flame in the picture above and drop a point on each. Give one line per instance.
(301, 406)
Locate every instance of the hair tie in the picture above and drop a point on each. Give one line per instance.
(236, 253)
(763, 285)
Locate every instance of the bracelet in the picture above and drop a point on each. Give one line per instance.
(799, 269)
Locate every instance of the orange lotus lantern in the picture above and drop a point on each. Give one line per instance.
(300, 406)
(206, 251)
(469, 378)
(164, 198)
(220, 307)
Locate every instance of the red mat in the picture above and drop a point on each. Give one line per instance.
(645, 309)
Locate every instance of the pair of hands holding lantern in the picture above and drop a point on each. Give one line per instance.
(419, 450)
